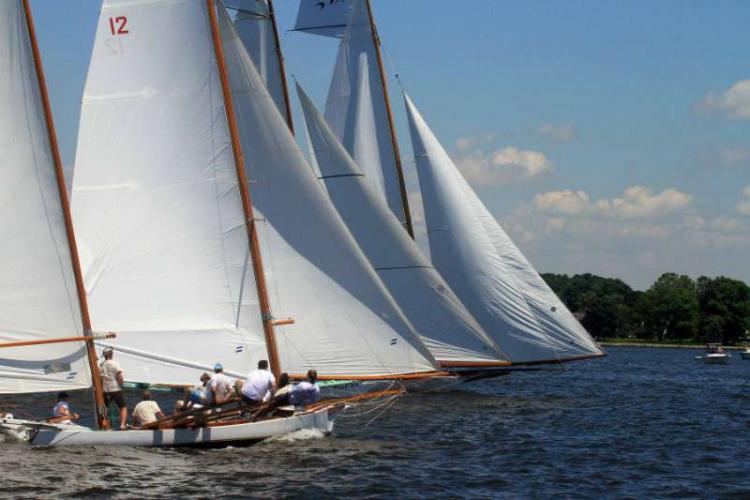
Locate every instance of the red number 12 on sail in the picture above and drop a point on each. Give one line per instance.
(118, 25)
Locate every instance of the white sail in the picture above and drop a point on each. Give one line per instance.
(486, 270)
(323, 17)
(38, 299)
(356, 109)
(446, 328)
(156, 198)
(254, 25)
(346, 323)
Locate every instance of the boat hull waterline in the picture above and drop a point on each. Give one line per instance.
(212, 436)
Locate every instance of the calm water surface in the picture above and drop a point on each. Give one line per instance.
(639, 423)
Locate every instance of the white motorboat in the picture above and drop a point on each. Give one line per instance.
(745, 354)
(715, 355)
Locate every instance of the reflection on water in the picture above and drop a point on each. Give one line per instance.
(641, 422)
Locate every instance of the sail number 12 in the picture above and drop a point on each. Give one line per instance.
(118, 25)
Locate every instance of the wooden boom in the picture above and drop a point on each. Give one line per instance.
(86, 338)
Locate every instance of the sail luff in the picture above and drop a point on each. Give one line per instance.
(282, 66)
(247, 206)
(99, 403)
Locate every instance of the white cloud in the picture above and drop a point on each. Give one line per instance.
(465, 143)
(636, 202)
(502, 166)
(743, 206)
(734, 103)
(559, 133)
(724, 157)
(562, 202)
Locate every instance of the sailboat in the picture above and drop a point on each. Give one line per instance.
(447, 329)
(171, 242)
(488, 273)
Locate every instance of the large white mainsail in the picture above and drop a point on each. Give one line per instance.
(156, 198)
(357, 110)
(447, 329)
(346, 323)
(484, 267)
(38, 298)
(255, 25)
(323, 17)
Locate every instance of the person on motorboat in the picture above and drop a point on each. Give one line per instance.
(147, 411)
(259, 386)
(61, 412)
(306, 392)
(113, 380)
(219, 389)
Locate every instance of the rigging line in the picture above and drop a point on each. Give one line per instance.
(387, 406)
(334, 176)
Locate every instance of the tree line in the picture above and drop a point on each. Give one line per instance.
(675, 308)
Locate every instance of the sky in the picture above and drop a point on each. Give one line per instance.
(607, 137)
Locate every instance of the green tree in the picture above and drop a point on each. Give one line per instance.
(725, 309)
(670, 308)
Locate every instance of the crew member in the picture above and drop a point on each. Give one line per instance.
(219, 388)
(147, 411)
(259, 386)
(112, 381)
(61, 412)
(306, 392)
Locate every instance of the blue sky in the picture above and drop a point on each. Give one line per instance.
(609, 137)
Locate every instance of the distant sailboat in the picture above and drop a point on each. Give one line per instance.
(488, 273)
(486, 269)
(447, 329)
(255, 23)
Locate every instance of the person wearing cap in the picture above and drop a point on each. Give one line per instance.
(147, 411)
(219, 389)
(259, 386)
(61, 412)
(112, 381)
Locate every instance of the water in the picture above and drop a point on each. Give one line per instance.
(639, 423)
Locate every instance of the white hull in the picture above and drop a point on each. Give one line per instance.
(715, 359)
(216, 436)
(745, 354)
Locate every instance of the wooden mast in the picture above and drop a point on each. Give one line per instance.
(247, 206)
(282, 68)
(391, 126)
(101, 410)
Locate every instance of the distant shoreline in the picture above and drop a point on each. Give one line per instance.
(669, 346)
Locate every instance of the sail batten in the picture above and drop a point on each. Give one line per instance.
(487, 271)
(38, 293)
(446, 328)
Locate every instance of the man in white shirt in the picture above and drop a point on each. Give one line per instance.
(61, 412)
(112, 382)
(146, 411)
(260, 385)
(219, 389)
(307, 392)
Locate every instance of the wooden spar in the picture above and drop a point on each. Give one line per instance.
(85, 338)
(247, 206)
(385, 376)
(282, 68)
(558, 361)
(472, 364)
(96, 381)
(391, 126)
(282, 322)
